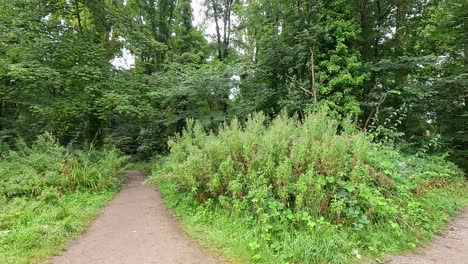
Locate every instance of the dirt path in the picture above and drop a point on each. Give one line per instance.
(135, 228)
(449, 248)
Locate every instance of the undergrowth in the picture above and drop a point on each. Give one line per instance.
(48, 195)
(315, 191)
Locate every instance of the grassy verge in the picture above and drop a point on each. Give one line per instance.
(236, 236)
(34, 229)
(308, 192)
(49, 194)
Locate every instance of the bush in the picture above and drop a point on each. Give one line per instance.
(291, 178)
(47, 165)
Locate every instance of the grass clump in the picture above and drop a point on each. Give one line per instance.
(48, 195)
(315, 191)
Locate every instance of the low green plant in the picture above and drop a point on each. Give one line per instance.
(305, 191)
(48, 195)
(142, 165)
(46, 165)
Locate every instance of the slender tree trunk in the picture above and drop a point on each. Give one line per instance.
(1, 115)
(256, 51)
(312, 71)
(169, 21)
(465, 52)
(78, 16)
(218, 33)
(228, 38)
(401, 10)
(225, 27)
(94, 131)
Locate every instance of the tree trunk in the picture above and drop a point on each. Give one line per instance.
(218, 33)
(78, 16)
(465, 52)
(312, 71)
(401, 10)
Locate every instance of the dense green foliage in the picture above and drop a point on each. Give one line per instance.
(48, 194)
(397, 69)
(399, 65)
(306, 192)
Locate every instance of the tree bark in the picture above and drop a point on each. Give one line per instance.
(312, 71)
(465, 53)
(218, 33)
(78, 16)
(401, 9)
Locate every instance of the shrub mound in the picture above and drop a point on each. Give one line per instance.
(310, 191)
(47, 165)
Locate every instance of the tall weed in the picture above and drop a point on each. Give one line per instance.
(46, 164)
(292, 176)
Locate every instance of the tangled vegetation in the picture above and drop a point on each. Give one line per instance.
(48, 195)
(129, 73)
(315, 191)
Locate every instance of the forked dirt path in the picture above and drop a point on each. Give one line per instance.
(135, 228)
(449, 248)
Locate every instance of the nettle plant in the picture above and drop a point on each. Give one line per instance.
(289, 174)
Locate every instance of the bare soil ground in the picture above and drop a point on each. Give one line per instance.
(451, 247)
(135, 228)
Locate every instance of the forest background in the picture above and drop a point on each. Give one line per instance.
(398, 68)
